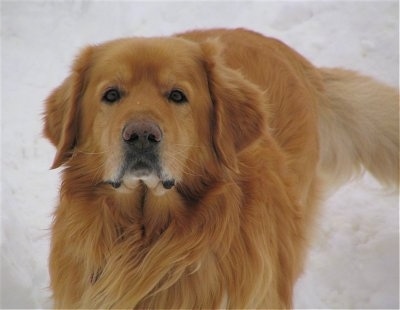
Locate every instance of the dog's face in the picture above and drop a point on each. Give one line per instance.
(146, 106)
(156, 111)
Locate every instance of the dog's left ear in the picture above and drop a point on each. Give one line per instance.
(238, 119)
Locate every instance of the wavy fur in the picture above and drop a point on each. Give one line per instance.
(261, 125)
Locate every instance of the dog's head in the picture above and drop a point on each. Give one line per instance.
(156, 111)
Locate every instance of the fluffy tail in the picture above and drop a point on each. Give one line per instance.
(359, 127)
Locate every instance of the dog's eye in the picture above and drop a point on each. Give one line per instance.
(177, 96)
(112, 95)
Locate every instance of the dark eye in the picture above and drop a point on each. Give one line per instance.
(177, 96)
(112, 95)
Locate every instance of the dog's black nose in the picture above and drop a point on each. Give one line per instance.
(142, 134)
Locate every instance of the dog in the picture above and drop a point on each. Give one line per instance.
(194, 166)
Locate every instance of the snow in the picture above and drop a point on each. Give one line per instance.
(354, 258)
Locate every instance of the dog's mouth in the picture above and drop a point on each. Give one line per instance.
(145, 171)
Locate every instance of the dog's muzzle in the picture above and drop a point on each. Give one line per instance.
(141, 142)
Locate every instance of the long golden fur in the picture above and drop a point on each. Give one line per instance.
(213, 207)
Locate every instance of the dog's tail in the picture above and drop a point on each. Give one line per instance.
(358, 127)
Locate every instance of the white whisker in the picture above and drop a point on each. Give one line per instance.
(90, 153)
(177, 162)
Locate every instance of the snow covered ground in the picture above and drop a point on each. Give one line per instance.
(354, 261)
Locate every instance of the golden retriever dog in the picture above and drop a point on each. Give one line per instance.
(194, 165)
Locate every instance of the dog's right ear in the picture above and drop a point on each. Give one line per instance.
(61, 116)
(237, 106)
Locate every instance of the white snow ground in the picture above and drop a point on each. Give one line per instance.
(354, 261)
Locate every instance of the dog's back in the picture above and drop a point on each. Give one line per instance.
(358, 117)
